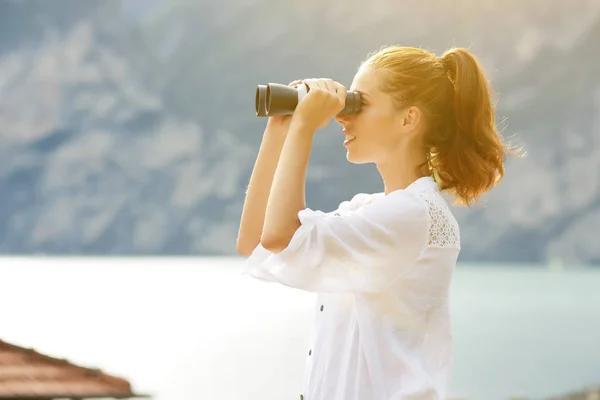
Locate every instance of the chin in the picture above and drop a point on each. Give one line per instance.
(356, 159)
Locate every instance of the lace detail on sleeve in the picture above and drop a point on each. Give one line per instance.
(443, 229)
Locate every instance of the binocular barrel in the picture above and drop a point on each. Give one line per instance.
(275, 99)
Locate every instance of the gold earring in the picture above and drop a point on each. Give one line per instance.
(437, 179)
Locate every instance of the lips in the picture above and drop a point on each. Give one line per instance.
(349, 138)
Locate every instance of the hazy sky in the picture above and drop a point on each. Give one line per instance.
(141, 8)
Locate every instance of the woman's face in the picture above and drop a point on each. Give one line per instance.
(375, 132)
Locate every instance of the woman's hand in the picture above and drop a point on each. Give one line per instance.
(325, 99)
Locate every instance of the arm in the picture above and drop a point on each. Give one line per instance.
(287, 196)
(324, 100)
(253, 213)
(261, 180)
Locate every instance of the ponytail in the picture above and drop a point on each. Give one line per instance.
(471, 162)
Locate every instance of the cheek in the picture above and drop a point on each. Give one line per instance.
(378, 127)
(369, 120)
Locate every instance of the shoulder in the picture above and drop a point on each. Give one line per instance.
(399, 205)
(415, 198)
(358, 201)
(444, 228)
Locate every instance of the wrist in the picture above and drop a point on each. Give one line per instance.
(301, 127)
(274, 129)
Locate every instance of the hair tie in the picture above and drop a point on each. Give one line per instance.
(449, 72)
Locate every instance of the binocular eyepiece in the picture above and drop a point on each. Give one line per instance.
(275, 99)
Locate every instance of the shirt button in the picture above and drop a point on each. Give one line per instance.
(309, 352)
(321, 307)
(301, 397)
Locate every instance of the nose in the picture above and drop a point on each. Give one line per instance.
(342, 119)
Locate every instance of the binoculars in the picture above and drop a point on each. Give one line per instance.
(275, 99)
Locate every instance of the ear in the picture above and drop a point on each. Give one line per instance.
(411, 118)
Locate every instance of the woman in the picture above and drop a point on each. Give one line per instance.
(381, 263)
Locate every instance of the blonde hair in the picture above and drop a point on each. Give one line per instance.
(464, 149)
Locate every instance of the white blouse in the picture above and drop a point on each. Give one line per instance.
(381, 266)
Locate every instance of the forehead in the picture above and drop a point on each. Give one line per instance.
(365, 80)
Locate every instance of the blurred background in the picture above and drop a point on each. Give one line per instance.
(127, 138)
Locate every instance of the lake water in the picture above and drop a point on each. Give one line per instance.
(192, 328)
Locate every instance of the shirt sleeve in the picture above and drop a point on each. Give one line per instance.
(359, 251)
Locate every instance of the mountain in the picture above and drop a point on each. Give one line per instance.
(131, 130)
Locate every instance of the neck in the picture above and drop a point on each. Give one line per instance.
(400, 170)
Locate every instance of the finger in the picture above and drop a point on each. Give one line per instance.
(312, 83)
(296, 82)
(329, 85)
(341, 92)
(316, 84)
(322, 84)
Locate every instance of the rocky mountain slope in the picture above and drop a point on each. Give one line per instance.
(128, 136)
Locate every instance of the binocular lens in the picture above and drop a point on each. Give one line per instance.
(261, 101)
